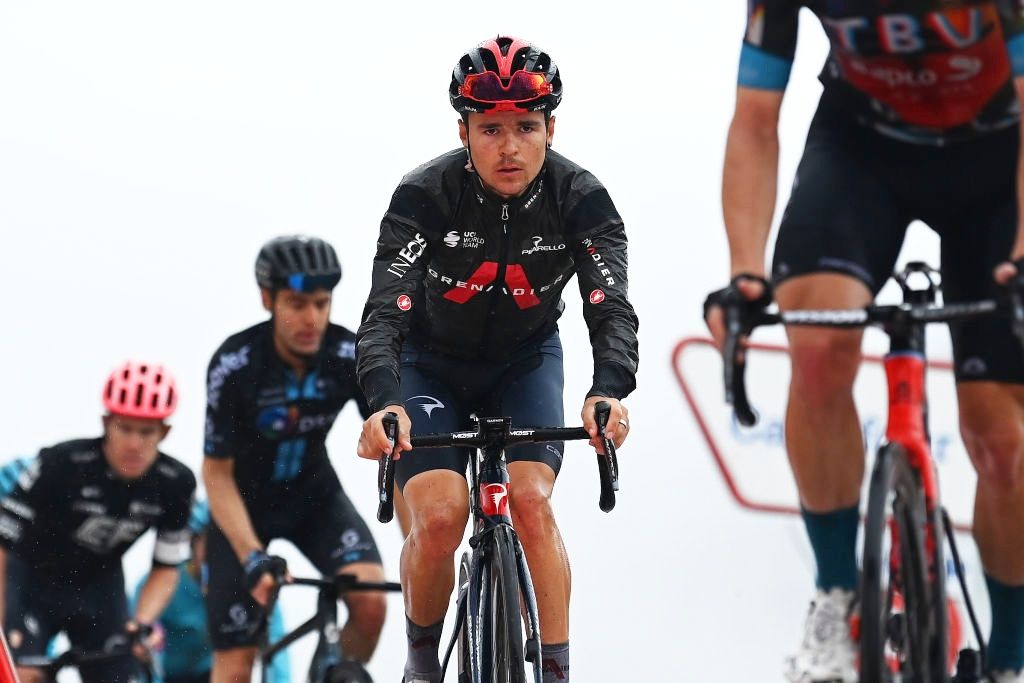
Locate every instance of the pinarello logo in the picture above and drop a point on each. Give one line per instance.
(597, 296)
(405, 303)
(494, 499)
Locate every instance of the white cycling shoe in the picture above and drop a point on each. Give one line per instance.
(1008, 676)
(828, 653)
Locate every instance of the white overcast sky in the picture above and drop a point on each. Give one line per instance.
(147, 149)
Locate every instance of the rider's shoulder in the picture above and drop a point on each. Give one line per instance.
(568, 177)
(237, 350)
(439, 172)
(340, 342)
(174, 476)
(74, 453)
(427, 195)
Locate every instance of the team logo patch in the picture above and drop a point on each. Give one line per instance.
(277, 420)
(404, 302)
(597, 296)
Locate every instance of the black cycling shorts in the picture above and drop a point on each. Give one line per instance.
(856, 192)
(330, 533)
(440, 393)
(93, 614)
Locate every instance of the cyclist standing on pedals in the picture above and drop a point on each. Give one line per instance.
(919, 119)
(473, 254)
(273, 393)
(73, 515)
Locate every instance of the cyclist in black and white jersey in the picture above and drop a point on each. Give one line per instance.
(74, 513)
(273, 393)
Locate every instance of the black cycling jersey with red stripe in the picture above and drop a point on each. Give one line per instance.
(466, 273)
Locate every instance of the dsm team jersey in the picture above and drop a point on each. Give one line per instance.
(273, 423)
(921, 71)
(465, 273)
(70, 516)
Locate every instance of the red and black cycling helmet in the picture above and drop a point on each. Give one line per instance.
(505, 74)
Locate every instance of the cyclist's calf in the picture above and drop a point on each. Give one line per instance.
(366, 612)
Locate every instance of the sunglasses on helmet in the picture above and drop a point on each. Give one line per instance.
(522, 87)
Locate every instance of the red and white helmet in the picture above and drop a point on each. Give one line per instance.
(140, 390)
(505, 74)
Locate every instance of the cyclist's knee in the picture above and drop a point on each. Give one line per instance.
(998, 456)
(32, 675)
(993, 433)
(532, 514)
(824, 361)
(438, 529)
(366, 613)
(233, 666)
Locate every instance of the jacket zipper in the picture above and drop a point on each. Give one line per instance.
(499, 282)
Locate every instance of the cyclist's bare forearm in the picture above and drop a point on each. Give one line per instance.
(750, 177)
(1018, 246)
(156, 593)
(227, 508)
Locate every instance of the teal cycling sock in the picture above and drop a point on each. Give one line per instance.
(1006, 643)
(554, 659)
(833, 537)
(424, 643)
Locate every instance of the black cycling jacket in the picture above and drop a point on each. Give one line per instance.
(464, 272)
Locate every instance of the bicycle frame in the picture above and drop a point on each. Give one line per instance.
(324, 621)
(488, 495)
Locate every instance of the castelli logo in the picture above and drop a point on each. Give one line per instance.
(597, 296)
(405, 303)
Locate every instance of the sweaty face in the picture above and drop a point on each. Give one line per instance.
(131, 444)
(507, 148)
(300, 321)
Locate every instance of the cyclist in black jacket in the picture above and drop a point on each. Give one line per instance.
(273, 393)
(473, 255)
(75, 512)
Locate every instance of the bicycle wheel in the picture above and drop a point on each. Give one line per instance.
(507, 658)
(902, 634)
(464, 658)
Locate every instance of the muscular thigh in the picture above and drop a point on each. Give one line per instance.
(531, 393)
(335, 535)
(235, 619)
(984, 349)
(433, 400)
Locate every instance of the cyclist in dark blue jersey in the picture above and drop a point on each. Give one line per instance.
(919, 119)
(273, 393)
(74, 513)
(474, 252)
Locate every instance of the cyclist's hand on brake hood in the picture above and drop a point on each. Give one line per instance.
(373, 442)
(618, 422)
(752, 288)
